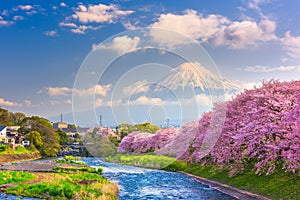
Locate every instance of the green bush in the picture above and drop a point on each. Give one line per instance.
(3, 147)
(15, 177)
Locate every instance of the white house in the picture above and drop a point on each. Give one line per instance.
(3, 130)
(3, 137)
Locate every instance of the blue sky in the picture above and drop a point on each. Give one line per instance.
(43, 43)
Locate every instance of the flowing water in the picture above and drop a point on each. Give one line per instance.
(140, 183)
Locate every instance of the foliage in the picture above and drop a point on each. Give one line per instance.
(50, 138)
(15, 177)
(63, 137)
(124, 129)
(70, 160)
(35, 139)
(3, 148)
(17, 150)
(99, 145)
(145, 160)
(10, 119)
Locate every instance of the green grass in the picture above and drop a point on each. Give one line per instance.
(15, 177)
(278, 185)
(82, 185)
(19, 150)
(69, 186)
(145, 160)
(71, 169)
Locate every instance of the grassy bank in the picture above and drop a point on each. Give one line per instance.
(70, 181)
(18, 150)
(5, 158)
(279, 185)
(146, 160)
(20, 153)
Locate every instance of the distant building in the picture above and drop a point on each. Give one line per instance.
(60, 125)
(71, 132)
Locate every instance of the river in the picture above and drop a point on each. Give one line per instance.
(140, 183)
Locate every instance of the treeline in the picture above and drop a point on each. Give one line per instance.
(39, 131)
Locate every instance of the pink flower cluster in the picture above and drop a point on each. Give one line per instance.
(141, 142)
(260, 126)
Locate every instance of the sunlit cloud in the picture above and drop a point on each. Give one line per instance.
(120, 44)
(4, 102)
(99, 13)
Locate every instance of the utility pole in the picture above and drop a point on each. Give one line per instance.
(168, 122)
(61, 117)
(100, 121)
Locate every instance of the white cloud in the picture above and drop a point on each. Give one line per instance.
(216, 29)
(62, 4)
(28, 103)
(58, 91)
(203, 99)
(5, 12)
(100, 102)
(32, 12)
(82, 29)
(189, 24)
(96, 90)
(260, 68)
(143, 100)
(18, 17)
(120, 44)
(64, 24)
(99, 13)
(25, 7)
(240, 35)
(52, 33)
(254, 4)
(66, 91)
(137, 87)
(4, 102)
(4, 22)
(78, 29)
(291, 45)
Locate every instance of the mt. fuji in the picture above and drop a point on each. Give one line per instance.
(195, 76)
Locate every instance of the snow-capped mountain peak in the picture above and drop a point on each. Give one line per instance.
(194, 75)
